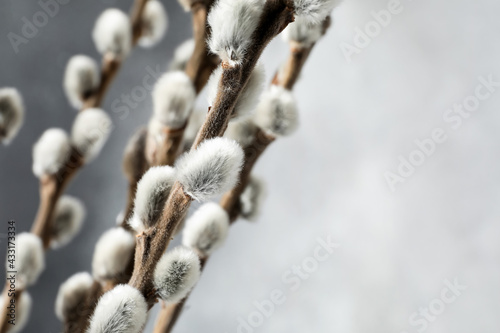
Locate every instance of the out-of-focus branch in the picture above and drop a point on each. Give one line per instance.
(202, 63)
(288, 75)
(111, 65)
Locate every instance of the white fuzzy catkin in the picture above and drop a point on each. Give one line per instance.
(29, 261)
(182, 55)
(176, 274)
(71, 294)
(80, 79)
(50, 152)
(112, 33)
(211, 169)
(67, 222)
(277, 112)
(242, 131)
(206, 230)
(154, 23)
(90, 131)
(233, 23)
(152, 193)
(23, 310)
(314, 11)
(123, 309)
(303, 33)
(252, 197)
(11, 114)
(112, 254)
(249, 97)
(173, 98)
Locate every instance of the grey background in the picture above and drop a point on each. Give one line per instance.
(396, 248)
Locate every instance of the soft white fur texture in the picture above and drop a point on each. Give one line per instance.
(233, 22)
(90, 132)
(277, 112)
(249, 97)
(72, 293)
(23, 310)
(154, 23)
(206, 230)
(80, 78)
(50, 152)
(176, 274)
(152, 193)
(173, 99)
(112, 33)
(112, 254)
(11, 114)
(252, 197)
(123, 309)
(68, 220)
(242, 131)
(314, 11)
(302, 32)
(211, 169)
(181, 55)
(30, 260)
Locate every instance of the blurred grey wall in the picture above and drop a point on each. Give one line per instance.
(415, 222)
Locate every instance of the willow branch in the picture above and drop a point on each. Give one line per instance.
(287, 77)
(111, 65)
(198, 69)
(53, 186)
(276, 16)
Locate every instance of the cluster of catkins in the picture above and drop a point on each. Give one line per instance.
(56, 150)
(205, 172)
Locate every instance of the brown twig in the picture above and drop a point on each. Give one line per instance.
(288, 75)
(110, 64)
(169, 314)
(198, 68)
(202, 62)
(152, 243)
(277, 14)
(53, 186)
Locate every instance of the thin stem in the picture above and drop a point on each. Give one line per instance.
(136, 19)
(51, 188)
(198, 69)
(202, 62)
(152, 243)
(110, 64)
(277, 14)
(169, 314)
(78, 321)
(110, 67)
(288, 75)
